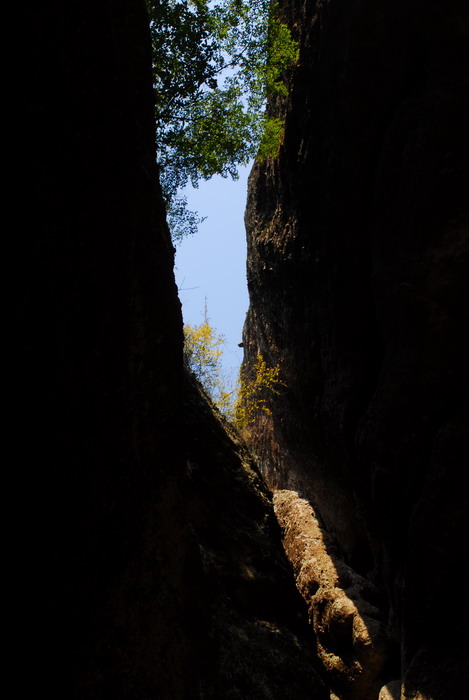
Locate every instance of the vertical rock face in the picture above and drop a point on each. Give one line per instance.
(357, 271)
(98, 358)
(153, 564)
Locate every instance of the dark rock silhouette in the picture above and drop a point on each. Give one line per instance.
(357, 271)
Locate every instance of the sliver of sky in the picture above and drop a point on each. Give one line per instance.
(211, 264)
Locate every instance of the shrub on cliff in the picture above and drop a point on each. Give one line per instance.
(254, 388)
(202, 356)
(254, 391)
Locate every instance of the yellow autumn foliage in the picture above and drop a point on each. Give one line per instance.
(254, 388)
(254, 392)
(202, 355)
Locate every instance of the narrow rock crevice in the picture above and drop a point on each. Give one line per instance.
(149, 559)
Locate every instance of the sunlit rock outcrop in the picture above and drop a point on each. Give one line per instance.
(344, 607)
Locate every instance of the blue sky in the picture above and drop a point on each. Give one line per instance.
(211, 264)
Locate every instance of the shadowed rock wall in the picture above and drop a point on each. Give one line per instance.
(357, 272)
(149, 559)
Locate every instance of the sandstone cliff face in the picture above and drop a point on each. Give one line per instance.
(357, 273)
(153, 563)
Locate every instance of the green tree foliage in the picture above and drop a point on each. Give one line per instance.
(214, 64)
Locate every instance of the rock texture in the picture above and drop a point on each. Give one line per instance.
(344, 607)
(357, 272)
(149, 559)
(253, 637)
